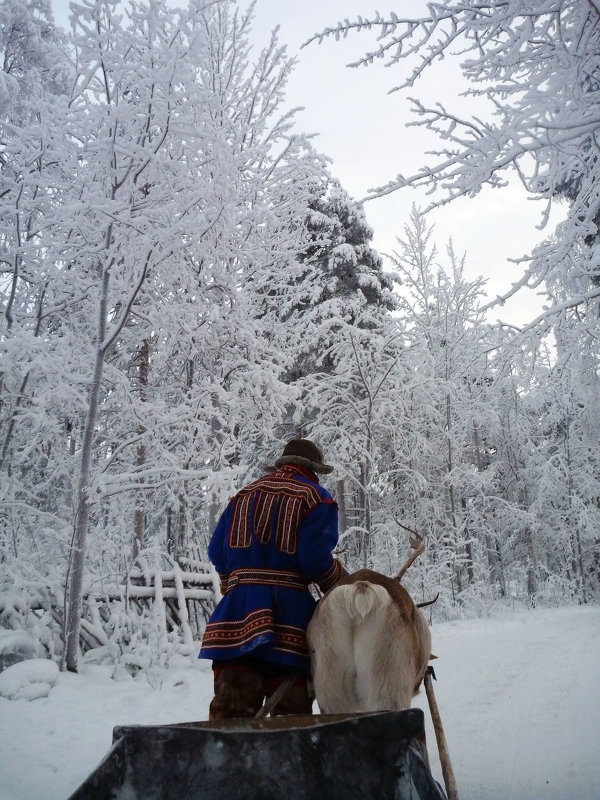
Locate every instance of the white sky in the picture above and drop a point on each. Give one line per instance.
(363, 130)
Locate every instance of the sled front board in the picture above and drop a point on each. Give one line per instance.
(321, 757)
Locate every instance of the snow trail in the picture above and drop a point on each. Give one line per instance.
(518, 695)
(520, 704)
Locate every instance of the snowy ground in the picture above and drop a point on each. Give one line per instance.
(519, 696)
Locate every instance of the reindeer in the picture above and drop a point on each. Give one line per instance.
(369, 644)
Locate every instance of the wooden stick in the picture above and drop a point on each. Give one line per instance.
(277, 695)
(447, 771)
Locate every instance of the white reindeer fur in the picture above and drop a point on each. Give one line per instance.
(366, 654)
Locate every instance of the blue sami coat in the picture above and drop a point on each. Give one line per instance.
(274, 538)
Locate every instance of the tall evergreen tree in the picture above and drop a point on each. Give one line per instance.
(340, 278)
(337, 326)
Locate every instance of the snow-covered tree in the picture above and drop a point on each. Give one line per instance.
(177, 187)
(339, 275)
(35, 166)
(356, 411)
(564, 502)
(338, 327)
(451, 428)
(533, 69)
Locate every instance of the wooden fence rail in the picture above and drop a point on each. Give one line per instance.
(179, 595)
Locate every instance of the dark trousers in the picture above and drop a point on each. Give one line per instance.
(242, 685)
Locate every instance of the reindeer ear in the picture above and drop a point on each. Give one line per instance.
(431, 657)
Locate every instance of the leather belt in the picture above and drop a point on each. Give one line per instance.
(264, 577)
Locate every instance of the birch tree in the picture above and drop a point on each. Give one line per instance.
(248, 173)
(34, 167)
(193, 181)
(565, 503)
(168, 189)
(458, 422)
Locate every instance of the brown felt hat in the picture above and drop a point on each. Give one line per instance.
(306, 454)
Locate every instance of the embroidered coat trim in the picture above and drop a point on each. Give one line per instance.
(238, 632)
(290, 639)
(263, 576)
(273, 506)
(267, 547)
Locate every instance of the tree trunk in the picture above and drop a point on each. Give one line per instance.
(365, 514)
(468, 543)
(494, 565)
(491, 542)
(579, 564)
(139, 523)
(21, 393)
(452, 501)
(341, 501)
(74, 582)
(532, 584)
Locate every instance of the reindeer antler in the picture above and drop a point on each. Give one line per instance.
(428, 602)
(417, 546)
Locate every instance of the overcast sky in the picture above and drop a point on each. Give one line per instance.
(362, 128)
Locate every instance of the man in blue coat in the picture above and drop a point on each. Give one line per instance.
(275, 537)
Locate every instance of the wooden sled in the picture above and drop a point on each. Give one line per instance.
(323, 757)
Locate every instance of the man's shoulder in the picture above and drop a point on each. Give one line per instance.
(288, 482)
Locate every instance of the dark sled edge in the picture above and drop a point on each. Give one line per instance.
(322, 757)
